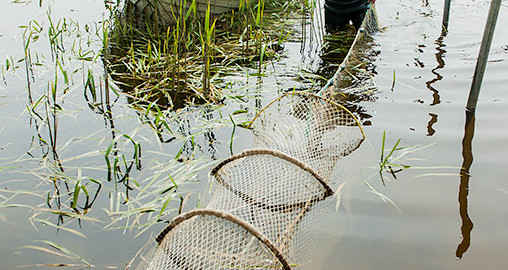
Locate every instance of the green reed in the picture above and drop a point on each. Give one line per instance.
(68, 189)
(60, 251)
(388, 163)
(179, 65)
(71, 189)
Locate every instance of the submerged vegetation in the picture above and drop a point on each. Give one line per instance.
(187, 60)
(110, 142)
(109, 128)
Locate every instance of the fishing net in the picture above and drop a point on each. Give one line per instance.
(166, 12)
(269, 190)
(212, 239)
(354, 73)
(310, 128)
(269, 205)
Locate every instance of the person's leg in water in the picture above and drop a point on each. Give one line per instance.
(339, 14)
(357, 18)
(335, 22)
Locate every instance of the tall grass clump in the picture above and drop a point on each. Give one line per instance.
(176, 62)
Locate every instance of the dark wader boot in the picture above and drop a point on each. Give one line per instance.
(338, 13)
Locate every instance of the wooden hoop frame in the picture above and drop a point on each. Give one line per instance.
(226, 216)
(311, 95)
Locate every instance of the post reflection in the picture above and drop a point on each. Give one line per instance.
(432, 121)
(436, 99)
(467, 157)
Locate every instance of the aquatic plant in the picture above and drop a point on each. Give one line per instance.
(88, 139)
(178, 63)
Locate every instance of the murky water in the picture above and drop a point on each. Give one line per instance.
(432, 74)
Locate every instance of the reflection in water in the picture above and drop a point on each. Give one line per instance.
(210, 138)
(467, 156)
(119, 168)
(432, 121)
(64, 195)
(313, 36)
(45, 148)
(334, 50)
(45, 123)
(436, 99)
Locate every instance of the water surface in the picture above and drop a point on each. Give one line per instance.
(425, 107)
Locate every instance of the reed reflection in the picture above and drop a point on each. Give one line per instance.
(467, 157)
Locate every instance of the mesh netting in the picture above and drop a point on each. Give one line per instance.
(310, 128)
(269, 205)
(353, 75)
(269, 190)
(211, 239)
(166, 12)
